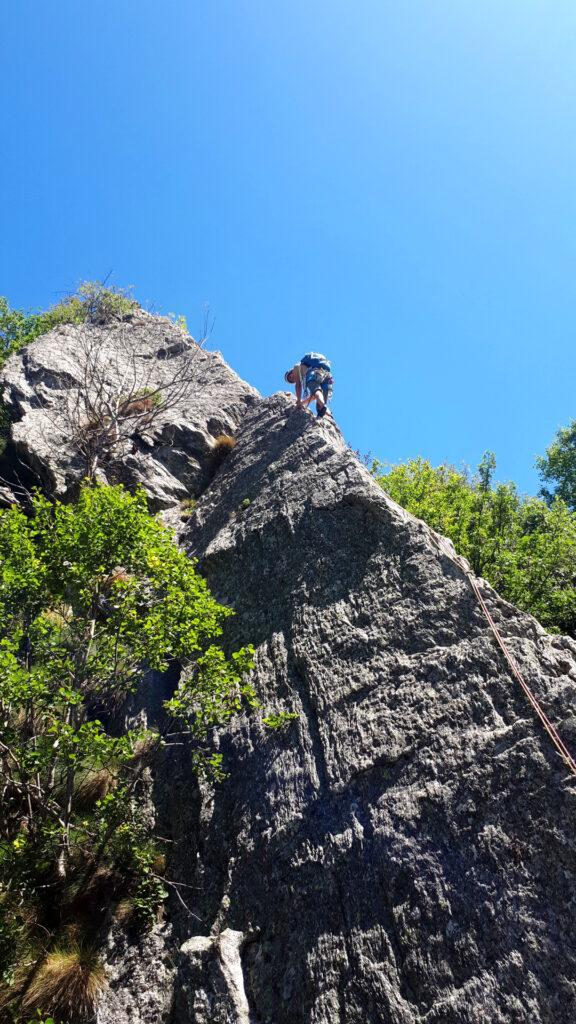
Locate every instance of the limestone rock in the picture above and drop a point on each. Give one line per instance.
(404, 852)
(171, 460)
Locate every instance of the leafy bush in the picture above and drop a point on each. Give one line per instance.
(523, 546)
(90, 594)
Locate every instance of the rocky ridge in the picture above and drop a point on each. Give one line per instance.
(404, 851)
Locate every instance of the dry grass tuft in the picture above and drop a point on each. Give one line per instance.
(225, 441)
(187, 507)
(94, 786)
(223, 445)
(159, 863)
(70, 981)
(136, 406)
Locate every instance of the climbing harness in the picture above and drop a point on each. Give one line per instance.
(319, 380)
(510, 659)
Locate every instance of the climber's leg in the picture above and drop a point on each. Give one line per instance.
(320, 402)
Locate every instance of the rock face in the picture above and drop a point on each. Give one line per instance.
(172, 458)
(404, 851)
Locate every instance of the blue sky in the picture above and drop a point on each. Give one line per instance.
(389, 182)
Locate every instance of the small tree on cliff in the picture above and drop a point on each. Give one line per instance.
(118, 398)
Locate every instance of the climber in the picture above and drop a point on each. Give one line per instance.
(312, 377)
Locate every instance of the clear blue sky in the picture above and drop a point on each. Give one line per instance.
(389, 181)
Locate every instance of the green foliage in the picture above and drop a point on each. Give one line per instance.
(180, 321)
(92, 303)
(558, 467)
(91, 595)
(280, 720)
(523, 546)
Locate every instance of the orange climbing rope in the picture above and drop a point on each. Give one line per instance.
(511, 661)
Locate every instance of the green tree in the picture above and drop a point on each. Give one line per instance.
(558, 467)
(523, 546)
(92, 595)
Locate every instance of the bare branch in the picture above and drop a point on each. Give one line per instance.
(120, 394)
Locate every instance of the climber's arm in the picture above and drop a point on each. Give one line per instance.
(298, 383)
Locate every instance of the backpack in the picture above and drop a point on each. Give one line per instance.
(316, 361)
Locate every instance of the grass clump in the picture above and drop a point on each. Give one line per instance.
(187, 507)
(93, 785)
(223, 445)
(69, 981)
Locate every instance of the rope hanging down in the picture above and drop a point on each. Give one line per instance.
(510, 659)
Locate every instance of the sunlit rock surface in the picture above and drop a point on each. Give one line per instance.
(404, 851)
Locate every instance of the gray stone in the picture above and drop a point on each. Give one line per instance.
(403, 852)
(173, 460)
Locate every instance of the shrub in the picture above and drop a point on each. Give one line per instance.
(91, 594)
(280, 720)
